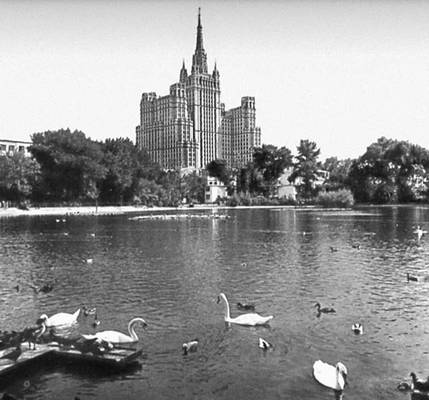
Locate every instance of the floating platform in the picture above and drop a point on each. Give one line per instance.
(114, 360)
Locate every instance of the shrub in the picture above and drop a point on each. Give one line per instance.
(342, 198)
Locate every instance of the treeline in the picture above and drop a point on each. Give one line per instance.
(69, 168)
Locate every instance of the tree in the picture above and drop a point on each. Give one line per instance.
(218, 169)
(18, 174)
(123, 163)
(338, 173)
(269, 162)
(70, 163)
(390, 171)
(306, 168)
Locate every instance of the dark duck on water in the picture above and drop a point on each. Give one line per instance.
(324, 310)
(244, 306)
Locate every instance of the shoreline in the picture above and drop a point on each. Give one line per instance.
(114, 210)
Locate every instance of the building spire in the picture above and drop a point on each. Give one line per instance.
(183, 73)
(199, 60)
(199, 45)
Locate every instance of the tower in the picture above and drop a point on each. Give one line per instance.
(204, 109)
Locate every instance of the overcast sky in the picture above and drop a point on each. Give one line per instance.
(340, 73)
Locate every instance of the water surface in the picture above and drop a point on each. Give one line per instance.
(170, 272)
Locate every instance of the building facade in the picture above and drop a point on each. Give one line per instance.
(9, 147)
(189, 127)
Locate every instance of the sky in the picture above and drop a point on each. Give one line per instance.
(339, 73)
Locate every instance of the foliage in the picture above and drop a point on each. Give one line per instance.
(341, 198)
(390, 171)
(306, 169)
(338, 173)
(261, 175)
(70, 164)
(18, 174)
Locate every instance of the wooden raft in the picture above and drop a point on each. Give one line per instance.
(116, 359)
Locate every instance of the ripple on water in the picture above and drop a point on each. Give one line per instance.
(171, 271)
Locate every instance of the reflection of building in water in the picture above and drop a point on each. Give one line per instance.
(189, 127)
(10, 147)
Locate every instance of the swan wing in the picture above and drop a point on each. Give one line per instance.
(325, 374)
(250, 319)
(61, 319)
(114, 337)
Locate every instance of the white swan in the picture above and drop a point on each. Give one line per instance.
(116, 337)
(330, 376)
(60, 319)
(251, 319)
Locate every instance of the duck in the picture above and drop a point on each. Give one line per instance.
(89, 311)
(333, 249)
(356, 246)
(46, 288)
(413, 278)
(330, 376)
(357, 328)
(251, 319)
(96, 321)
(325, 310)
(89, 260)
(190, 346)
(116, 337)
(60, 319)
(264, 345)
(95, 346)
(32, 334)
(242, 306)
(404, 386)
(421, 386)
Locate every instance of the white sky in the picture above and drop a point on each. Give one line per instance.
(341, 73)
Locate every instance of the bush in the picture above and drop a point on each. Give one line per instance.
(287, 201)
(342, 198)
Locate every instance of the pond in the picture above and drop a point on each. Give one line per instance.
(171, 270)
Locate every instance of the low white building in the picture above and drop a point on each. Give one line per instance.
(9, 147)
(284, 187)
(214, 189)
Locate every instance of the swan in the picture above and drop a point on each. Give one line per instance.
(263, 344)
(190, 346)
(60, 319)
(116, 337)
(325, 310)
(421, 386)
(251, 319)
(330, 376)
(357, 328)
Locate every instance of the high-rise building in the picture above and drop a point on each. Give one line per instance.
(189, 127)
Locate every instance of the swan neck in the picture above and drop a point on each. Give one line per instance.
(227, 311)
(131, 330)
